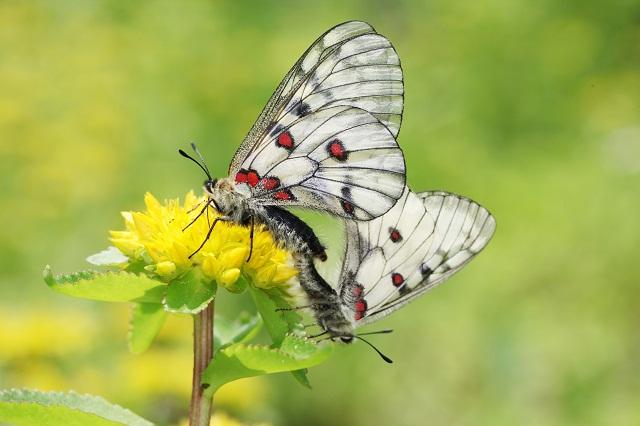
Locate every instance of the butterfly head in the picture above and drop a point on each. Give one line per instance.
(210, 185)
(335, 323)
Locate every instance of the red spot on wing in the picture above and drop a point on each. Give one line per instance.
(270, 183)
(361, 308)
(285, 140)
(357, 291)
(395, 235)
(397, 279)
(284, 195)
(253, 178)
(241, 176)
(347, 207)
(360, 304)
(337, 150)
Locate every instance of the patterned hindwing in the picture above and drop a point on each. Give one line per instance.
(349, 65)
(419, 243)
(339, 159)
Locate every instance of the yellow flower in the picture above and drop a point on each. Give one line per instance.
(157, 238)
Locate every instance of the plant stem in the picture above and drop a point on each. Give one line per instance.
(200, 408)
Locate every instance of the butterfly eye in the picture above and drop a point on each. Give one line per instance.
(209, 184)
(346, 339)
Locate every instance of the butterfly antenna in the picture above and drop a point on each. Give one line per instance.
(387, 331)
(200, 157)
(203, 167)
(383, 356)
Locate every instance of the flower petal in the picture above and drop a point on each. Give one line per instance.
(229, 277)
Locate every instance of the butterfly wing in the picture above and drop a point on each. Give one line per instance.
(340, 106)
(339, 159)
(351, 65)
(419, 243)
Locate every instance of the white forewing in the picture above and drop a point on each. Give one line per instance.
(372, 266)
(419, 243)
(339, 159)
(347, 85)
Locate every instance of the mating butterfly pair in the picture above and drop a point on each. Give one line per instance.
(326, 140)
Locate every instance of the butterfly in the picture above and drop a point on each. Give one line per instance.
(389, 261)
(326, 140)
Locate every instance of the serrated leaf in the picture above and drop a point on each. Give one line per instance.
(242, 329)
(146, 321)
(110, 256)
(189, 294)
(279, 322)
(23, 407)
(239, 360)
(107, 286)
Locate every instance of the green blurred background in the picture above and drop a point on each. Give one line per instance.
(531, 108)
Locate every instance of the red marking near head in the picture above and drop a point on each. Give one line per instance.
(285, 140)
(357, 291)
(253, 178)
(270, 183)
(361, 305)
(336, 150)
(284, 195)
(347, 207)
(395, 235)
(241, 176)
(397, 279)
(358, 315)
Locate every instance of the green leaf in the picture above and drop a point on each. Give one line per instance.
(110, 256)
(107, 287)
(242, 329)
(23, 407)
(189, 294)
(279, 323)
(301, 377)
(239, 360)
(146, 321)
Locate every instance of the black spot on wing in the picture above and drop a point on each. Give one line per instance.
(301, 109)
(426, 271)
(346, 193)
(404, 290)
(347, 204)
(277, 128)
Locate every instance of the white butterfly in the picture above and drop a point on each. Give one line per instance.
(325, 140)
(423, 240)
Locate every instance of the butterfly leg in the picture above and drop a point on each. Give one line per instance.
(295, 308)
(311, 306)
(204, 209)
(194, 208)
(313, 336)
(213, 225)
(251, 239)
